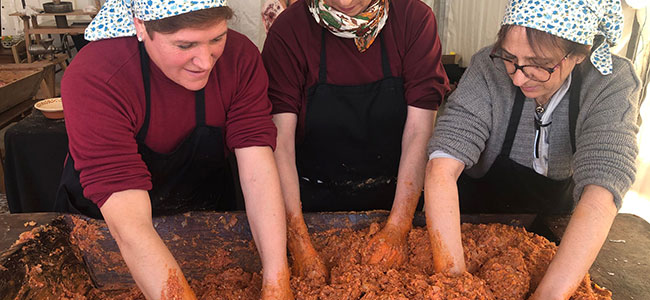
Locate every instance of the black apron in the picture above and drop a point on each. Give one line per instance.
(194, 176)
(510, 188)
(349, 156)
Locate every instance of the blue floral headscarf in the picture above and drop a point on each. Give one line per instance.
(116, 16)
(575, 20)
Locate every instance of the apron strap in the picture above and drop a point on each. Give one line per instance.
(199, 100)
(199, 97)
(515, 116)
(144, 66)
(385, 63)
(322, 71)
(574, 105)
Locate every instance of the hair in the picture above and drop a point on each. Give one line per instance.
(538, 41)
(194, 19)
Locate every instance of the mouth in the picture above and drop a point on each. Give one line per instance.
(529, 89)
(197, 73)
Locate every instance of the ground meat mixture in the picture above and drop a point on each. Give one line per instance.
(503, 262)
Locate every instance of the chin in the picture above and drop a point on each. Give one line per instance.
(194, 85)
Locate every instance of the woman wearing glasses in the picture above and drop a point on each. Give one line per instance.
(544, 121)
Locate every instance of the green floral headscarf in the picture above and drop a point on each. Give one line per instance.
(363, 28)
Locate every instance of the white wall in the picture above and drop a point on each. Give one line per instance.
(468, 25)
(248, 20)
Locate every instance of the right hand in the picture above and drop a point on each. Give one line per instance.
(308, 264)
(306, 261)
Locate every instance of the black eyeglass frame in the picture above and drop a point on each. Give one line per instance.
(518, 67)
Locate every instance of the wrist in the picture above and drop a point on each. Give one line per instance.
(401, 225)
(273, 273)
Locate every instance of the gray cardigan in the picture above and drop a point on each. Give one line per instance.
(472, 126)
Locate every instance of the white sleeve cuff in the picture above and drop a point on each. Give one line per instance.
(443, 154)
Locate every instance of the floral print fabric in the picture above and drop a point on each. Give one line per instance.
(363, 28)
(115, 19)
(575, 20)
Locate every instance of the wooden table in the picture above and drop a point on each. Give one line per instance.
(622, 266)
(48, 65)
(31, 26)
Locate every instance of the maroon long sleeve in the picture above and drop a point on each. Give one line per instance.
(292, 56)
(104, 106)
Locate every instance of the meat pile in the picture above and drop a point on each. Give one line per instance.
(503, 262)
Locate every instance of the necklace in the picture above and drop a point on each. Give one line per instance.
(539, 108)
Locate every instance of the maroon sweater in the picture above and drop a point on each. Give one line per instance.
(104, 105)
(292, 56)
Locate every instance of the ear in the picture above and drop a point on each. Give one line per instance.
(140, 29)
(580, 59)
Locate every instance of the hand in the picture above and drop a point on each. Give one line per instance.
(308, 264)
(387, 248)
(279, 289)
(306, 261)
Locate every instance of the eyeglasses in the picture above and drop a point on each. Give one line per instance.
(534, 72)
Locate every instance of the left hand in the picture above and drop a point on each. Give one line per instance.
(387, 248)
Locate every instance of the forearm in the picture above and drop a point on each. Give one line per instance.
(582, 240)
(264, 208)
(296, 228)
(443, 214)
(154, 269)
(285, 157)
(410, 178)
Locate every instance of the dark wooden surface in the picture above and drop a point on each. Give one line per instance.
(12, 225)
(623, 264)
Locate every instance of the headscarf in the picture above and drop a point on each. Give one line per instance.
(363, 28)
(115, 19)
(575, 20)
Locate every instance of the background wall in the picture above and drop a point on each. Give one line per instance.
(464, 26)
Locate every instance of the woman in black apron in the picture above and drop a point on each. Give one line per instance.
(355, 138)
(542, 123)
(177, 54)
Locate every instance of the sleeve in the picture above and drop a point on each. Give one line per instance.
(606, 146)
(441, 154)
(286, 74)
(248, 119)
(425, 80)
(100, 123)
(464, 122)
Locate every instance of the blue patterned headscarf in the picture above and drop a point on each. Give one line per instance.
(575, 20)
(116, 16)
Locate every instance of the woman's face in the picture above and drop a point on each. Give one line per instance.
(188, 55)
(349, 7)
(515, 46)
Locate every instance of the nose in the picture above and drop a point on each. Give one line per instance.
(203, 57)
(518, 78)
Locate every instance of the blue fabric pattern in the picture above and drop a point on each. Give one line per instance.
(115, 19)
(575, 20)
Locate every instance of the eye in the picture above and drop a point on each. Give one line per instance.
(508, 56)
(184, 46)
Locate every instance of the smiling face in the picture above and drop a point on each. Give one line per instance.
(349, 7)
(515, 46)
(187, 55)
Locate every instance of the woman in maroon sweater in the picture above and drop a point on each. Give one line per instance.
(355, 85)
(150, 121)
